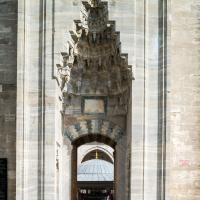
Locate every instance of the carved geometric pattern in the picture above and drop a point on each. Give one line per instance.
(94, 126)
(93, 63)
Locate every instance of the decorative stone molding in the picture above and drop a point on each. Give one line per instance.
(95, 127)
(94, 16)
(94, 64)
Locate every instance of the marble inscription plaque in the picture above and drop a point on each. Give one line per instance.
(94, 106)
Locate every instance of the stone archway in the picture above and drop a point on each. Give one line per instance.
(78, 142)
(93, 128)
(87, 131)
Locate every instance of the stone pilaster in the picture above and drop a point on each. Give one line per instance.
(74, 191)
(36, 102)
(147, 108)
(115, 173)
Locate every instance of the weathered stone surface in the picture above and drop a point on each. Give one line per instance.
(184, 95)
(8, 71)
(41, 149)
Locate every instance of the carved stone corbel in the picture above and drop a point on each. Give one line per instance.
(64, 74)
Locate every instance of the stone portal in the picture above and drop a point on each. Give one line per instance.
(95, 80)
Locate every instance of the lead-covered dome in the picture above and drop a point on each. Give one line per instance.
(96, 170)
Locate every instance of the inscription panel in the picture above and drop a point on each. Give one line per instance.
(94, 105)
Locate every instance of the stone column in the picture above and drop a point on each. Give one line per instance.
(184, 101)
(74, 189)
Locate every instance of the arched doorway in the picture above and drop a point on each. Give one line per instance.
(95, 175)
(102, 188)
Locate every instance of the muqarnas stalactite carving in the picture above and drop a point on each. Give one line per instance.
(94, 64)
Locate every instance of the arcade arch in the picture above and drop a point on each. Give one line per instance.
(103, 153)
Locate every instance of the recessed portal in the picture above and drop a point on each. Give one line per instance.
(95, 80)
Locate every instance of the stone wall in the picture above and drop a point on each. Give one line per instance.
(184, 94)
(8, 72)
(38, 113)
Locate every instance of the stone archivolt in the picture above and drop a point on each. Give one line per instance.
(93, 127)
(94, 64)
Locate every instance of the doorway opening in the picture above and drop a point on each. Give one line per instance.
(95, 175)
(93, 168)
